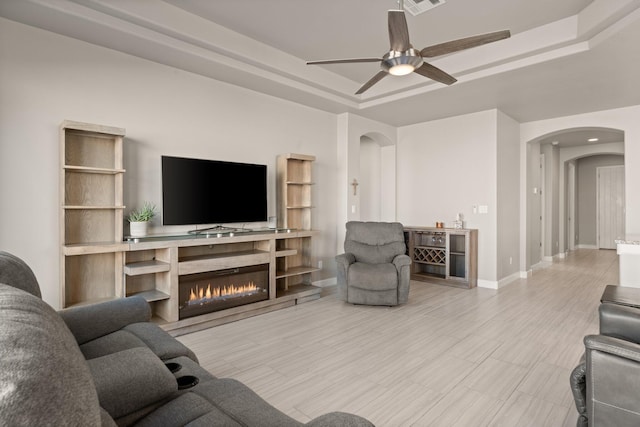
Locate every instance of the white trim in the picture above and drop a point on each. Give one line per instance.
(526, 274)
(509, 279)
(489, 284)
(587, 247)
(331, 281)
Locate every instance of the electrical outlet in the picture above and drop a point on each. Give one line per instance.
(510, 260)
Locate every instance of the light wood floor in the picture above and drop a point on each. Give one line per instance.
(450, 357)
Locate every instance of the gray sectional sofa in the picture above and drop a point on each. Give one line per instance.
(106, 364)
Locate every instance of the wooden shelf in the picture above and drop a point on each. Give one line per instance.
(86, 207)
(86, 169)
(295, 271)
(286, 252)
(151, 296)
(93, 248)
(146, 267)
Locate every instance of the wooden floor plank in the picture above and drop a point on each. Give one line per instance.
(453, 357)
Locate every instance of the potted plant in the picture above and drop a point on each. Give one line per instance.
(139, 219)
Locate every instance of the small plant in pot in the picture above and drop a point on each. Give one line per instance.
(139, 219)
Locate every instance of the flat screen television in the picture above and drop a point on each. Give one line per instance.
(199, 191)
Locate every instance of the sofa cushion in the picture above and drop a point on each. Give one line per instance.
(188, 409)
(373, 277)
(130, 380)
(161, 343)
(243, 404)
(111, 343)
(44, 378)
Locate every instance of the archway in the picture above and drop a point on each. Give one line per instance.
(377, 178)
(552, 187)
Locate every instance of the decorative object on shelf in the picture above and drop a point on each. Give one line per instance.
(439, 224)
(458, 222)
(139, 219)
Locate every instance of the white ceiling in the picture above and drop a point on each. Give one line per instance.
(564, 57)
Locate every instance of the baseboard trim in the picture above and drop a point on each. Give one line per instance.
(586, 247)
(487, 284)
(331, 281)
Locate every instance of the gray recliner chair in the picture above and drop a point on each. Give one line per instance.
(374, 270)
(606, 383)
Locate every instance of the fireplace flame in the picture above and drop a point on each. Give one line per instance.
(200, 295)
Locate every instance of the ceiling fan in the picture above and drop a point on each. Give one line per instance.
(403, 59)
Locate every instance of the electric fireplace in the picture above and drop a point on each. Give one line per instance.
(218, 290)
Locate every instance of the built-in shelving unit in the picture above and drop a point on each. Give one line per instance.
(97, 264)
(446, 256)
(91, 212)
(294, 262)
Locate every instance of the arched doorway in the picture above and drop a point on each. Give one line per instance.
(560, 170)
(377, 178)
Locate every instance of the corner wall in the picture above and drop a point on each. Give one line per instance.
(446, 167)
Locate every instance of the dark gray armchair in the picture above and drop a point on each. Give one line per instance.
(606, 383)
(374, 270)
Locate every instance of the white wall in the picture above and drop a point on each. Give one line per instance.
(446, 167)
(508, 202)
(370, 180)
(46, 78)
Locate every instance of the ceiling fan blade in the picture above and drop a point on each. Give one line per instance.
(344, 61)
(375, 79)
(398, 31)
(435, 73)
(465, 43)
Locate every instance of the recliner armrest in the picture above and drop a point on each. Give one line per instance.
(89, 322)
(402, 260)
(620, 322)
(345, 259)
(613, 369)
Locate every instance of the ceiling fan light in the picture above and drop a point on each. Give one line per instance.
(401, 64)
(401, 69)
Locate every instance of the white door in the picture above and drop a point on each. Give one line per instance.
(610, 205)
(571, 206)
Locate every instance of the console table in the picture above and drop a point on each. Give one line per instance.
(447, 256)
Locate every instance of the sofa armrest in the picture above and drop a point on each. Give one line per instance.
(89, 322)
(620, 321)
(578, 383)
(130, 380)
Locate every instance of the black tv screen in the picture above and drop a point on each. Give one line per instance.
(198, 191)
